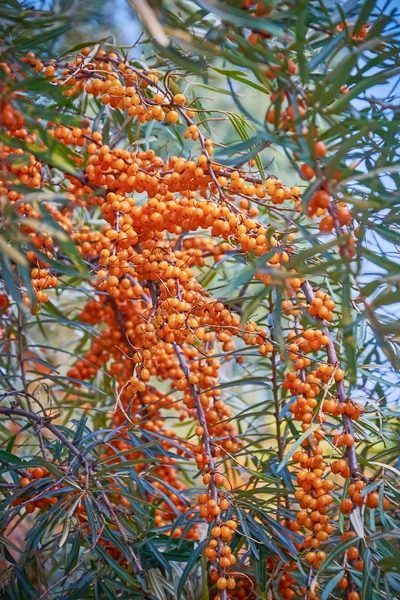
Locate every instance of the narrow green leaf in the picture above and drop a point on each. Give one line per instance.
(331, 585)
(242, 77)
(296, 445)
(239, 17)
(301, 32)
(197, 552)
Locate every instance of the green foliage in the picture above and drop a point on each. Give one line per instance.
(203, 47)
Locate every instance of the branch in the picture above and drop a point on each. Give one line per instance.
(136, 562)
(77, 566)
(208, 444)
(44, 422)
(341, 391)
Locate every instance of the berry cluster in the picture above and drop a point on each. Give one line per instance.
(27, 499)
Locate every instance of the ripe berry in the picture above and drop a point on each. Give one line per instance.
(179, 99)
(222, 583)
(346, 506)
(352, 553)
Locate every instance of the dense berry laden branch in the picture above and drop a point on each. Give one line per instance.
(341, 391)
(213, 503)
(314, 494)
(310, 452)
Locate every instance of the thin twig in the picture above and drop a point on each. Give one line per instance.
(44, 422)
(136, 562)
(77, 566)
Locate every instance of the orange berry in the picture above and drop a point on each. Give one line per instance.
(224, 562)
(320, 149)
(224, 504)
(348, 439)
(339, 375)
(92, 148)
(210, 554)
(352, 553)
(321, 199)
(219, 479)
(222, 583)
(38, 473)
(346, 506)
(373, 500)
(179, 99)
(307, 171)
(226, 533)
(327, 223)
(172, 117)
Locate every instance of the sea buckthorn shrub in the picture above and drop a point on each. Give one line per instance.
(199, 357)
